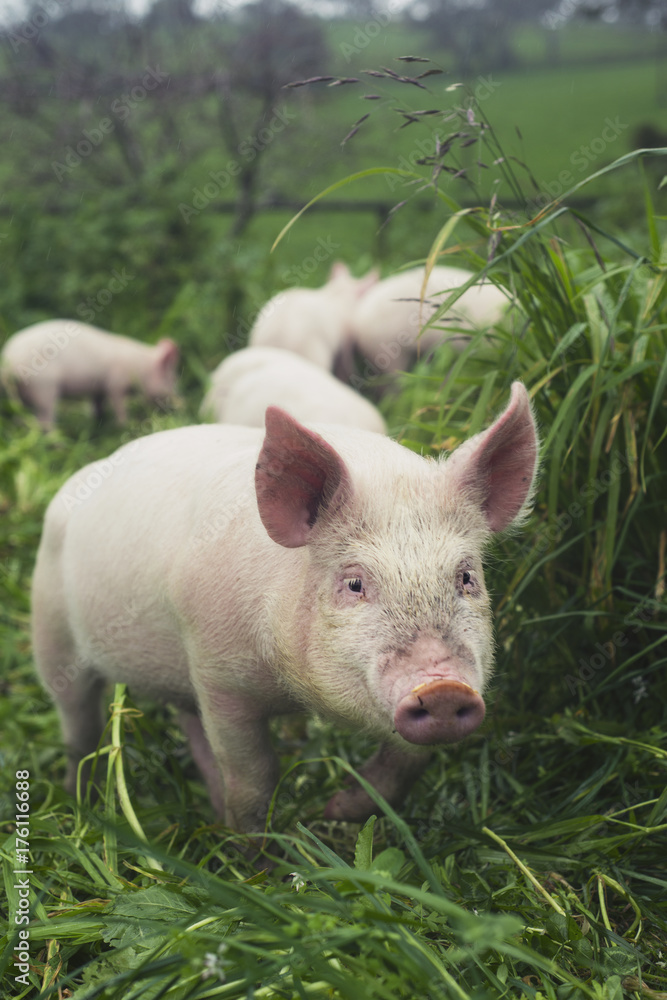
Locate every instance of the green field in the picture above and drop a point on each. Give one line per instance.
(68, 233)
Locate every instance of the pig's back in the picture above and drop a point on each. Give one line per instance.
(156, 485)
(252, 379)
(118, 534)
(70, 352)
(393, 308)
(303, 320)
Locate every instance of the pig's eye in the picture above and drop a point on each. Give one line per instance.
(466, 582)
(355, 584)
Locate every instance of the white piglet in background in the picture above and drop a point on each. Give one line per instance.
(240, 575)
(386, 322)
(64, 358)
(312, 322)
(248, 381)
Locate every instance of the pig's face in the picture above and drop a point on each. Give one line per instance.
(401, 605)
(393, 624)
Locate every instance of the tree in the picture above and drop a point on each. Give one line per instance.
(151, 81)
(478, 33)
(277, 44)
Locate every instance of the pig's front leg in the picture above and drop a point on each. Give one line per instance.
(99, 399)
(43, 399)
(241, 750)
(392, 771)
(200, 747)
(117, 398)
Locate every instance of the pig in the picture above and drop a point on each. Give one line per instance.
(248, 381)
(240, 574)
(66, 358)
(312, 322)
(385, 323)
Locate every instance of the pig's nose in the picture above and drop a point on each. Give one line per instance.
(443, 711)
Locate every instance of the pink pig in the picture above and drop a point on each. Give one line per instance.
(63, 357)
(386, 323)
(240, 575)
(249, 380)
(313, 322)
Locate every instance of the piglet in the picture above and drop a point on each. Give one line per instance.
(386, 323)
(59, 358)
(312, 322)
(241, 574)
(248, 381)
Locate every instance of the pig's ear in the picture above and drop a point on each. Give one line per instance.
(497, 468)
(339, 269)
(297, 475)
(367, 281)
(167, 353)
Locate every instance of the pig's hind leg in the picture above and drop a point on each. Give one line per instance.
(391, 771)
(77, 692)
(202, 753)
(66, 673)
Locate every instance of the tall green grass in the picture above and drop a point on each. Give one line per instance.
(529, 862)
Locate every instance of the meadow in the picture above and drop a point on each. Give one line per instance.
(529, 861)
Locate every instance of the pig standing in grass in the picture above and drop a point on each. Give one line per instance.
(386, 322)
(312, 322)
(239, 575)
(66, 358)
(250, 380)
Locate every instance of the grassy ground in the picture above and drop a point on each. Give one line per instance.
(529, 861)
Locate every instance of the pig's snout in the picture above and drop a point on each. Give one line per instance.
(443, 711)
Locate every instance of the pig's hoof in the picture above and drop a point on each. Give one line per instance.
(351, 804)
